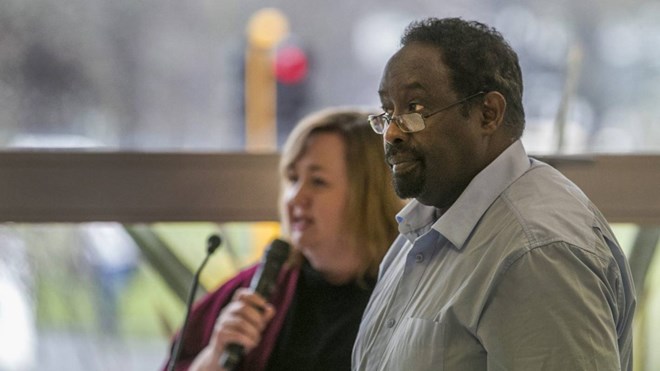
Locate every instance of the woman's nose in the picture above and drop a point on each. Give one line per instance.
(298, 195)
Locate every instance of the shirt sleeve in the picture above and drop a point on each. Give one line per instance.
(555, 308)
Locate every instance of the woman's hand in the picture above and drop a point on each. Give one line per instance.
(241, 322)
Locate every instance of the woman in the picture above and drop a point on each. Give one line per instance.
(337, 209)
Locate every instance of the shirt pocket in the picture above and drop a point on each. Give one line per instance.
(417, 344)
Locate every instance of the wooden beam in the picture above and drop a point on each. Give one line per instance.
(626, 188)
(38, 187)
(137, 187)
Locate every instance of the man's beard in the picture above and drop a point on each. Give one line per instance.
(408, 185)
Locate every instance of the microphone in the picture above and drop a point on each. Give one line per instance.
(263, 283)
(212, 244)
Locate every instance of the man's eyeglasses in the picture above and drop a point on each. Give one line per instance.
(410, 122)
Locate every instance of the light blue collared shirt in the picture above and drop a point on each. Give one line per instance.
(522, 272)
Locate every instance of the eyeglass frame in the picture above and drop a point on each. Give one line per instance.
(397, 118)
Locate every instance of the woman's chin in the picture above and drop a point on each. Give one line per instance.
(296, 239)
(301, 240)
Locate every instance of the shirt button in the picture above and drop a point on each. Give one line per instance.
(419, 258)
(390, 322)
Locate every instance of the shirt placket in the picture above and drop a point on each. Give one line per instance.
(417, 262)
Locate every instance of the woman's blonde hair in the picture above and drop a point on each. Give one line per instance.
(369, 220)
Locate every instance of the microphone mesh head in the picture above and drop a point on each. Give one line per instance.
(265, 278)
(213, 243)
(278, 251)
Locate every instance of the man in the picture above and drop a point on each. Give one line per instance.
(501, 262)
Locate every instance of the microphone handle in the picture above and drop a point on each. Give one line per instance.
(232, 356)
(263, 283)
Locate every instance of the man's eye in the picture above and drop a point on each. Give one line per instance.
(415, 107)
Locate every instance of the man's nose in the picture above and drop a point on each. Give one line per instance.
(393, 133)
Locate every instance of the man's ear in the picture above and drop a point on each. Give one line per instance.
(492, 111)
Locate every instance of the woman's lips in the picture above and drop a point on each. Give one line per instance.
(300, 224)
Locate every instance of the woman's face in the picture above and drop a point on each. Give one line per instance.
(315, 196)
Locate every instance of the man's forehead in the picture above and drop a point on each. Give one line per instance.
(412, 72)
(412, 86)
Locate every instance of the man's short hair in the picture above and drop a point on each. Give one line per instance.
(478, 59)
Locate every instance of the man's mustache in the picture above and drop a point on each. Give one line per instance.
(398, 150)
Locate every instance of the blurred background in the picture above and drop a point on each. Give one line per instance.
(188, 77)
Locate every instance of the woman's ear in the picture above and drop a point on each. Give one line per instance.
(492, 110)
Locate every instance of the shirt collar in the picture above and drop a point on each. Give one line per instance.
(459, 220)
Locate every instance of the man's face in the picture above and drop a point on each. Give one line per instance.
(433, 165)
